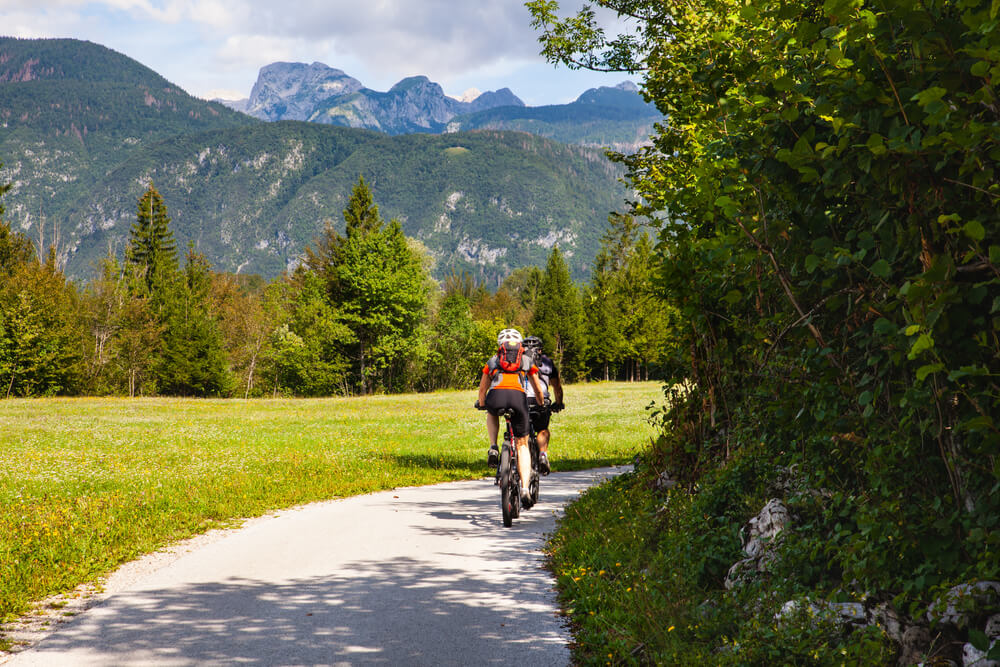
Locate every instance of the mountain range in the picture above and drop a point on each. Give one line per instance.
(616, 118)
(84, 130)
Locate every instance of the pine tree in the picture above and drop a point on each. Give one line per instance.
(193, 361)
(151, 248)
(558, 318)
(361, 215)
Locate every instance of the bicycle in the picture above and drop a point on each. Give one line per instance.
(508, 477)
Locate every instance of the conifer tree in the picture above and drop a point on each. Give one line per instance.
(152, 250)
(558, 317)
(193, 361)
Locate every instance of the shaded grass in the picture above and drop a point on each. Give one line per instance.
(640, 577)
(86, 484)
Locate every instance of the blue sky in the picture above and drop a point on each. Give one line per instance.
(214, 48)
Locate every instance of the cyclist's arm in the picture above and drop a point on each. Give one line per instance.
(537, 386)
(557, 390)
(484, 385)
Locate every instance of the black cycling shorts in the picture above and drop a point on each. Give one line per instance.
(539, 418)
(498, 399)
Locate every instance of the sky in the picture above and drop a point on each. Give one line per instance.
(215, 48)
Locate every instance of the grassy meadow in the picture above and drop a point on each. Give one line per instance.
(89, 483)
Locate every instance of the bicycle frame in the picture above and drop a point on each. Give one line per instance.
(508, 476)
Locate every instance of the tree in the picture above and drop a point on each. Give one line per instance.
(39, 330)
(247, 311)
(192, 362)
(826, 188)
(151, 247)
(308, 351)
(558, 317)
(379, 285)
(610, 302)
(40, 333)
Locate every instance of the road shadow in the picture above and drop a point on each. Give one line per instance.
(453, 605)
(369, 617)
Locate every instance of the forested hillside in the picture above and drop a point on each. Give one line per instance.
(85, 130)
(253, 198)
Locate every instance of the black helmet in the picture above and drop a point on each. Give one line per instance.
(533, 344)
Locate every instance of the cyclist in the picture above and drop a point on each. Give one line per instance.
(548, 374)
(502, 386)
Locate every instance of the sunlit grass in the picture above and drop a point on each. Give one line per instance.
(86, 484)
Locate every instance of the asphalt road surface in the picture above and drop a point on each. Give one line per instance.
(414, 576)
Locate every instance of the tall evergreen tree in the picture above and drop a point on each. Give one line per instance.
(558, 318)
(193, 361)
(361, 215)
(151, 249)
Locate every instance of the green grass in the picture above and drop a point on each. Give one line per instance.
(640, 577)
(86, 484)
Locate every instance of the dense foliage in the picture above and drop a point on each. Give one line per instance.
(827, 199)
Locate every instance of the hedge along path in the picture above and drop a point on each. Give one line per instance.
(87, 484)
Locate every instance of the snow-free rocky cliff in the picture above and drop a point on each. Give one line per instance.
(323, 94)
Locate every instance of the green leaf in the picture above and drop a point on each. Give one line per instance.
(974, 230)
(932, 94)
(927, 369)
(885, 327)
(881, 268)
(912, 329)
(995, 254)
(812, 261)
(865, 398)
(733, 297)
(979, 639)
(981, 68)
(728, 205)
(876, 144)
(923, 343)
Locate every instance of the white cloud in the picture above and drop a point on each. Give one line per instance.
(213, 45)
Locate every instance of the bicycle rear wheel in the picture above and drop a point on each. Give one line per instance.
(508, 490)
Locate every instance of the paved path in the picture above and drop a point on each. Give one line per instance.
(414, 576)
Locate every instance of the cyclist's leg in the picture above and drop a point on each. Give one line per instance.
(540, 422)
(520, 423)
(493, 404)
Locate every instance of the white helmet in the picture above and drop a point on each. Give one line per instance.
(509, 336)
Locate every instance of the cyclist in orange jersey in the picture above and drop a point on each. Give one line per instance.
(502, 386)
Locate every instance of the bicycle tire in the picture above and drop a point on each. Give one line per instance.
(508, 492)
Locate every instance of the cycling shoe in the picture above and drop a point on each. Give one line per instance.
(543, 463)
(493, 457)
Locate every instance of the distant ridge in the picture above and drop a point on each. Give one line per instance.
(84, 130)
(616, 118)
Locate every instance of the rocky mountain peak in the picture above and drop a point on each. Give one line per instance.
(319, 93)
(291, 91)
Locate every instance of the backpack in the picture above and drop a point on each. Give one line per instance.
(510, 358)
